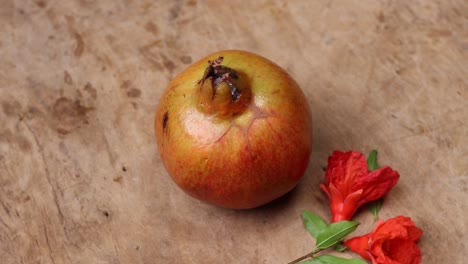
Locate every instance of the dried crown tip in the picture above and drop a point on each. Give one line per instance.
(218, 74)
(216, 62)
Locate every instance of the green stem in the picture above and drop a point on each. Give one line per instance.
(310, 255)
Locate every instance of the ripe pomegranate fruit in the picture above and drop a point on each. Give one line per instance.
(234, 129)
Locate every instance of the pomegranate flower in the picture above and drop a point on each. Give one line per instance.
(349, 183)
(392, 242)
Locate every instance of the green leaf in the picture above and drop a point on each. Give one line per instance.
(328, 259)
(334, 233)
(340, 247)
(313, 223)
(372, 160)
(374, 206)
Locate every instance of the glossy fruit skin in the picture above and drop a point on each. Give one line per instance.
(240, 160)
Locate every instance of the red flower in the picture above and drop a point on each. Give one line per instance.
(349, 183)
(392, 242)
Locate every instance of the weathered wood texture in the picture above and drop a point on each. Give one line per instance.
(80, 176)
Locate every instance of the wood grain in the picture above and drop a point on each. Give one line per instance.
(80, 176)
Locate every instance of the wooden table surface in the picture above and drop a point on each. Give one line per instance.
(81, 180)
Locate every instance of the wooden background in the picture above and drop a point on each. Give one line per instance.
(81, 180)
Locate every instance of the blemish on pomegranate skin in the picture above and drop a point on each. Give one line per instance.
(164, 121)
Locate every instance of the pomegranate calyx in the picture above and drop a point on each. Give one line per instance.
(219, 74)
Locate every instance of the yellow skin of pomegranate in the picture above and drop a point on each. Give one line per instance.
(234, 151)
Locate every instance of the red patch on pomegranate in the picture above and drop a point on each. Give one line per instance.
(235, 130)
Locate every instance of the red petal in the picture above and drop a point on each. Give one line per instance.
(336, 202)
(325, 189)
(347, 208)
(342, 208)
(414, 233)
(383, 260)
(397, 227)
(377, 183)
(353, 198)
(336, 195)
(404, 251)
(359, 245)
(394, 241)
(344, 169)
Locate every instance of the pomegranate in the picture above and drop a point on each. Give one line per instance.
(234, 129)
